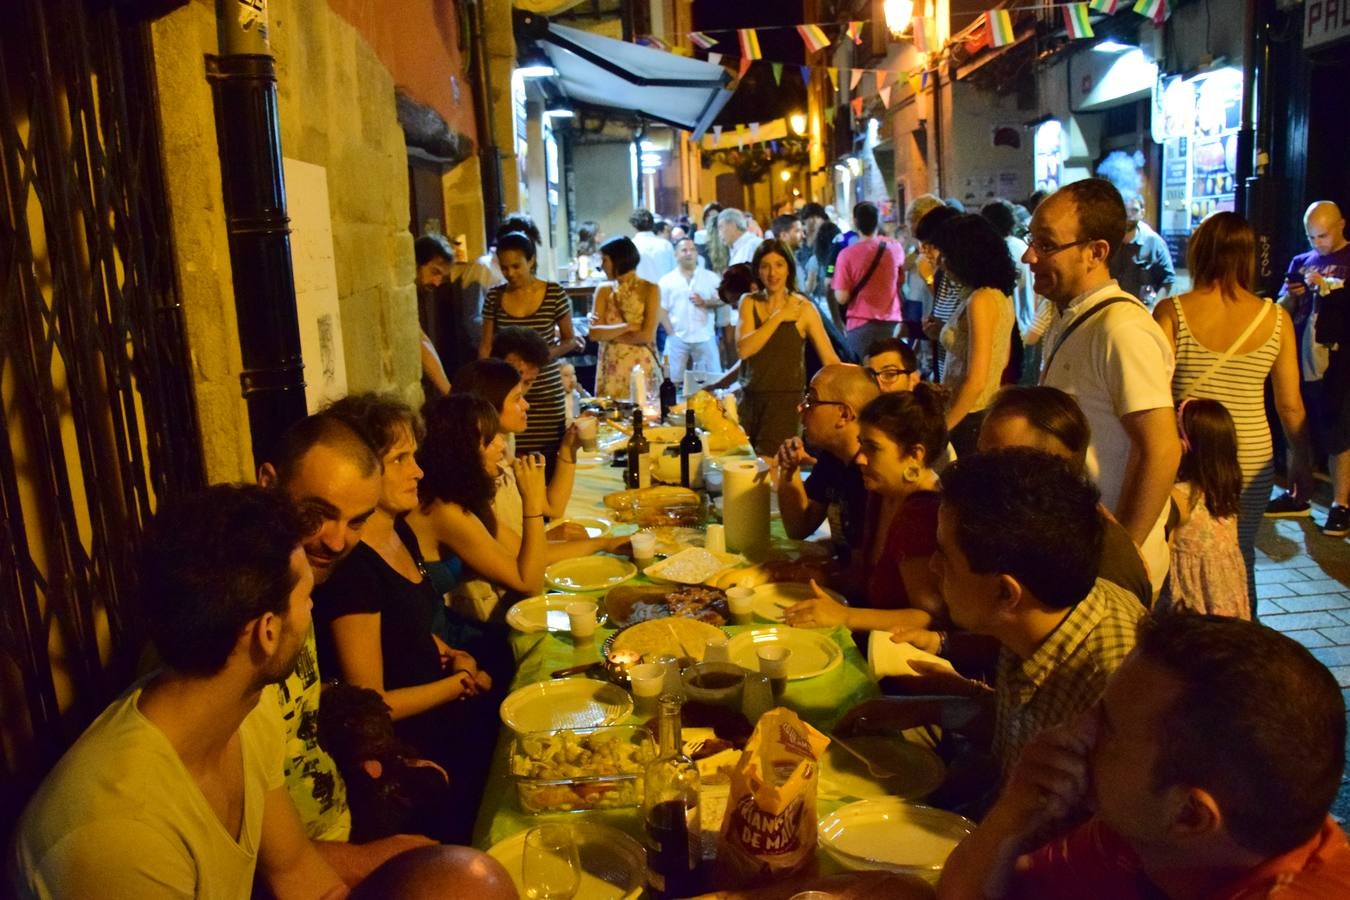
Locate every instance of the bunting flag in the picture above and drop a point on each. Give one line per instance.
(1076, 21)
(749, 43)
(998, 23)
(925, 34)
(834, 77)
(885, 94)
(806, 74)
(923, 79)
(857, 107)
(829, 115)
(777, 72)
(744, 67)
(814, 37)
(651, 40)
(854, 76)
(701, 40)
(915, 84)
(740, 134)
(880, 75)
(1107, 7)
(715, 58)
(717, 135)
(754, 131)
(855, 31)
(1152, 9)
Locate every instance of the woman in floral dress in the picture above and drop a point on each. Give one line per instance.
(623, 322)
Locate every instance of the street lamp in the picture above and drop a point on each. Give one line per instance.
(898, 15)
(785, 175)
(798, 122)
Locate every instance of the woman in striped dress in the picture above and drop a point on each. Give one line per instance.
(1227, 341)
(542, 307)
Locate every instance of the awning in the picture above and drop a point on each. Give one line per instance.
(601, 72)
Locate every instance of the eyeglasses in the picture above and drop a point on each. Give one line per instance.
(1042, 249)
(888, 374)
(808, 401)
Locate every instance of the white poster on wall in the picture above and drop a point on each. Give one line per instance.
(316, 299)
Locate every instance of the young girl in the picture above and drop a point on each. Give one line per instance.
(1208, 574)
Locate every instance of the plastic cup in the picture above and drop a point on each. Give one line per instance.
(716, 539)
(741, 600)
(647, 681)
(773, 660)
(581, 618)
(644, 548)
(716, 650)
(718, 683)
(588, 429)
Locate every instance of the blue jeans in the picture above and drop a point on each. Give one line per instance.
(860, 338)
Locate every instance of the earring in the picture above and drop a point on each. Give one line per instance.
(910, 474)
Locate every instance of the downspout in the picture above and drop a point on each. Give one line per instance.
(489, 158)
(937, 126)
(248, 138)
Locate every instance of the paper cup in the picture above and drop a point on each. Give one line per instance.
(741, 600)
(581, 619)
(646, 681)
(716, 539)
(773, 660)
(716, 650)
(644, 547)
(588, 429)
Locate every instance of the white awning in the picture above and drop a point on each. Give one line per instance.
(601, 72)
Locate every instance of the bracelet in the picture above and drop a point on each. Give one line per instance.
(535, 516)
(570, 462)
(942, 643)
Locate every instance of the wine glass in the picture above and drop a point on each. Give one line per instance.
(551, 868)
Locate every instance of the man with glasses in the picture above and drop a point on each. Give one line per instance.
(1105, 350)
(834, 489)
(893, 364)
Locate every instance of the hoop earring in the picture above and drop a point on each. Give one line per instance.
(910, 474)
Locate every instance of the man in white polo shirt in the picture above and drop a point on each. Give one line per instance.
(688, 311)
(1105, 350)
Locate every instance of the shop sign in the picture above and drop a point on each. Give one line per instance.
(1325, 21)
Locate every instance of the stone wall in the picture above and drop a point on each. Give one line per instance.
(337, 110)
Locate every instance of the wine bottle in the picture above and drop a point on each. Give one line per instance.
(667, 389)
(671, 811)
(639, 473)
(691, 451)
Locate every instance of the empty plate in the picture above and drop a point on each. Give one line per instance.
(565, 703)
(813, 653)
(772, 598)
(888, 833)
(547, 612)
(589, 573)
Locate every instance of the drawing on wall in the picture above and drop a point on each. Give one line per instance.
(316, 300)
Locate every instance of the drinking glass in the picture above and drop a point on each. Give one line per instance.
(550, 868)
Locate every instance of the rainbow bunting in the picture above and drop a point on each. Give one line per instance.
(925, 34)
(717, 135)
(915, 84)
(829, 115)
(749, 43)
(777, 73)
(1076, 21)
(923, 79)
(702, 40)
(1153, 9)
(754, 131)
(744, 67)
(806, 75)
(857, 107)
(880, 75)
(854, 76)
(855, 31)
(715, 58)
(651, 40)
(814, 37)
(1106, 7)
(834, 77)
(885, 94)
(998, 23)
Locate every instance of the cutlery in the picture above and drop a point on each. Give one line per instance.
(872, 768)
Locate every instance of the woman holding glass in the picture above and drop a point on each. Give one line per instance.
(775, 324)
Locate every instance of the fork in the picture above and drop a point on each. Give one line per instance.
(872, 768)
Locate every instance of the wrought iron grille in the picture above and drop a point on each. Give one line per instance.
(97, 416)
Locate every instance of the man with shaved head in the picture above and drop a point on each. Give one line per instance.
(1314, 292)
(834, 489)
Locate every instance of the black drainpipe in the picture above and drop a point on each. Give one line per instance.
(489, 157)
(248, 137)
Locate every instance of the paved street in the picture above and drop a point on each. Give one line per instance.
(1303, 589)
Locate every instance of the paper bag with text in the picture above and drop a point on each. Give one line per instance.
(769, 828)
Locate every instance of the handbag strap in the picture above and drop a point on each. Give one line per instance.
(1073, 326)
(1227, 354)
(876, 260)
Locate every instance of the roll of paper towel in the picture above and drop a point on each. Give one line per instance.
(745, 506)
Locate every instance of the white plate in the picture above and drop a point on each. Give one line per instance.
(546, 612)
(589, 573)
(565, 703)
(773, 598)
(918, 770)
(594, 527)
(813, 653)
(612, 863)
(692, 566)
(888, 833)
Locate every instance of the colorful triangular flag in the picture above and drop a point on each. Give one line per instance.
(854, 76)
(717, 135)
(744, 67)
(754, 131)
(855, 31)
(925, 34)
(834, 77)
(998, 24)
(880, 75)
(829, 115)
(806, 74)
(715, 58)
(740, 134)
(814, 37)
(749, 43)
(1076, 21)
(915, 84)
(885, 94)
(857, 107)
(777, 72)
(651, 40)
(702, 40)
(1107, 7)
(923, 79)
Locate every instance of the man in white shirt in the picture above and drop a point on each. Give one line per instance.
(688, 312)
(741, 244)
(1105, 350)
(656, 257)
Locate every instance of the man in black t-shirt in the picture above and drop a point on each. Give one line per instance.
(834, 488)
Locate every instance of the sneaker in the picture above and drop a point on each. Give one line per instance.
(1287, 506)
(1338, 522)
